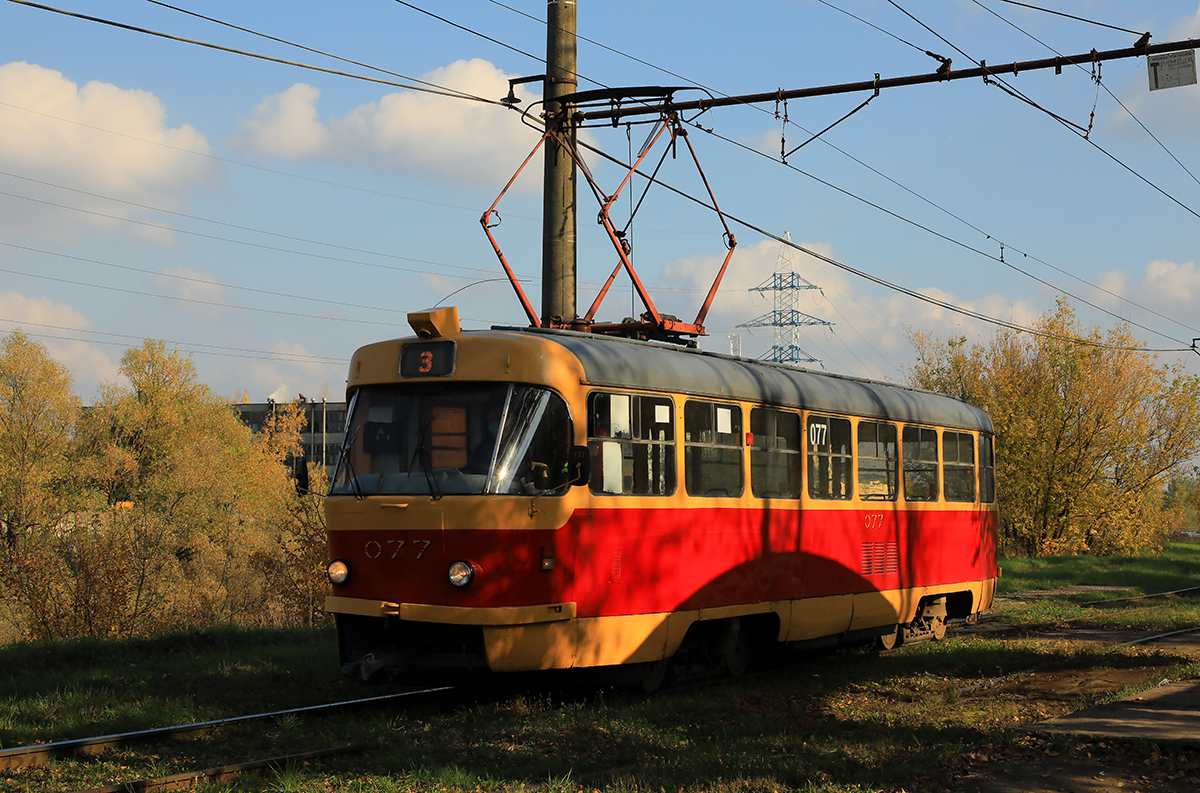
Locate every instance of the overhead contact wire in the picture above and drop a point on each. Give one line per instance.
(1070, 16)
(146, 31)
(891, 180)
(905, 290)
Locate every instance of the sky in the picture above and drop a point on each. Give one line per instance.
(266, 220)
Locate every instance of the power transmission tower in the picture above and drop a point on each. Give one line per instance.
(787, 284)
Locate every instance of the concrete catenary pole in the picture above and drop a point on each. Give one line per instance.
(558, 208)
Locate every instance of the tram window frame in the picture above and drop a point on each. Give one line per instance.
(634, 447)
(829, 443)
(987, 470)
(878, 461)
(920, 471)
(711, 456)
(776, 460)
(958, 475)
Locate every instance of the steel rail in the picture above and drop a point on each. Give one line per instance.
(1158, 636)
(225, 773)
(1085, 603)
(38, 754)
(1140, 597)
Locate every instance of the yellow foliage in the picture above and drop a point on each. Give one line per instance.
(183, 517)
(1088, 430)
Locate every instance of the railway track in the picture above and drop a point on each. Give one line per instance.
(41, 754)
(994, 616)
(38, 754)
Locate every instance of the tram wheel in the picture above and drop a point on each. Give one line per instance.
(938, 626)
(654, 674)
(890, 641)
(738, 659)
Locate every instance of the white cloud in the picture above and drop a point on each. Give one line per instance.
(286, 125)
(98, 138)
(52, 324)
(435, 136)
(1113, 282)
(1170, 283)
(1186, 28)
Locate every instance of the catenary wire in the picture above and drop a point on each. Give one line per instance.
(439, 88)
(210, 303)
(24, 2)
(289, 357)
(1070, 125)
(896, 287)
(1003, 243)
(1016, 94)
(934, 232)
(252, 166)
(1070, 16)
(465, 29)
(133, 28)
(202, 281)
(36, 5)
(1102, 85)
(889, 179)
(243, 228)
(473, 271)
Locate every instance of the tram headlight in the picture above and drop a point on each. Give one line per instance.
(338, 572)
(461, 573)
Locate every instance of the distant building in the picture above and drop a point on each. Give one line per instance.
(321, 437)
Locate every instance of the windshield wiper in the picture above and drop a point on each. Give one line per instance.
(426, 466)
(349, 461)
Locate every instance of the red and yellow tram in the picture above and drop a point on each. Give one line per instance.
(532, 499)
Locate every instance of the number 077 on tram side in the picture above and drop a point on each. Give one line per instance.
(527, 499)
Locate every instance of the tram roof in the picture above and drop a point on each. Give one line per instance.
(626, 363)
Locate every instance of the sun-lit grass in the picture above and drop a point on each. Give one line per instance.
(850, 720)
(1177, 568)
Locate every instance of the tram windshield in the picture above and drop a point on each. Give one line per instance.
(454, 439)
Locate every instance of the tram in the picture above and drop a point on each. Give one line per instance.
(530, 499)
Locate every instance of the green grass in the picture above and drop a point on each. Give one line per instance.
(1177, 568)
(848, 721)
(59, 690)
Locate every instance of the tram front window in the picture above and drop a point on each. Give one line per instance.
(454, 440)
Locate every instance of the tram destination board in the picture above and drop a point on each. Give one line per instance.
(427, 359)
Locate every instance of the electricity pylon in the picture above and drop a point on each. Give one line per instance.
(787, 284)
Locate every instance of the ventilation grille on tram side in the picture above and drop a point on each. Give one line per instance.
(880, 557)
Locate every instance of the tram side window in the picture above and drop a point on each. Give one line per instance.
(712, 449)
(830, 458)
(920, 457)
(775, 460)
(631, 441)
(987, 470)
(958, 461)
(878, 455)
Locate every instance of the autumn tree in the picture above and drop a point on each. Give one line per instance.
(196, 495)
(37, 420)
(1089, 428)
(156, 508)
(1182, 500)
